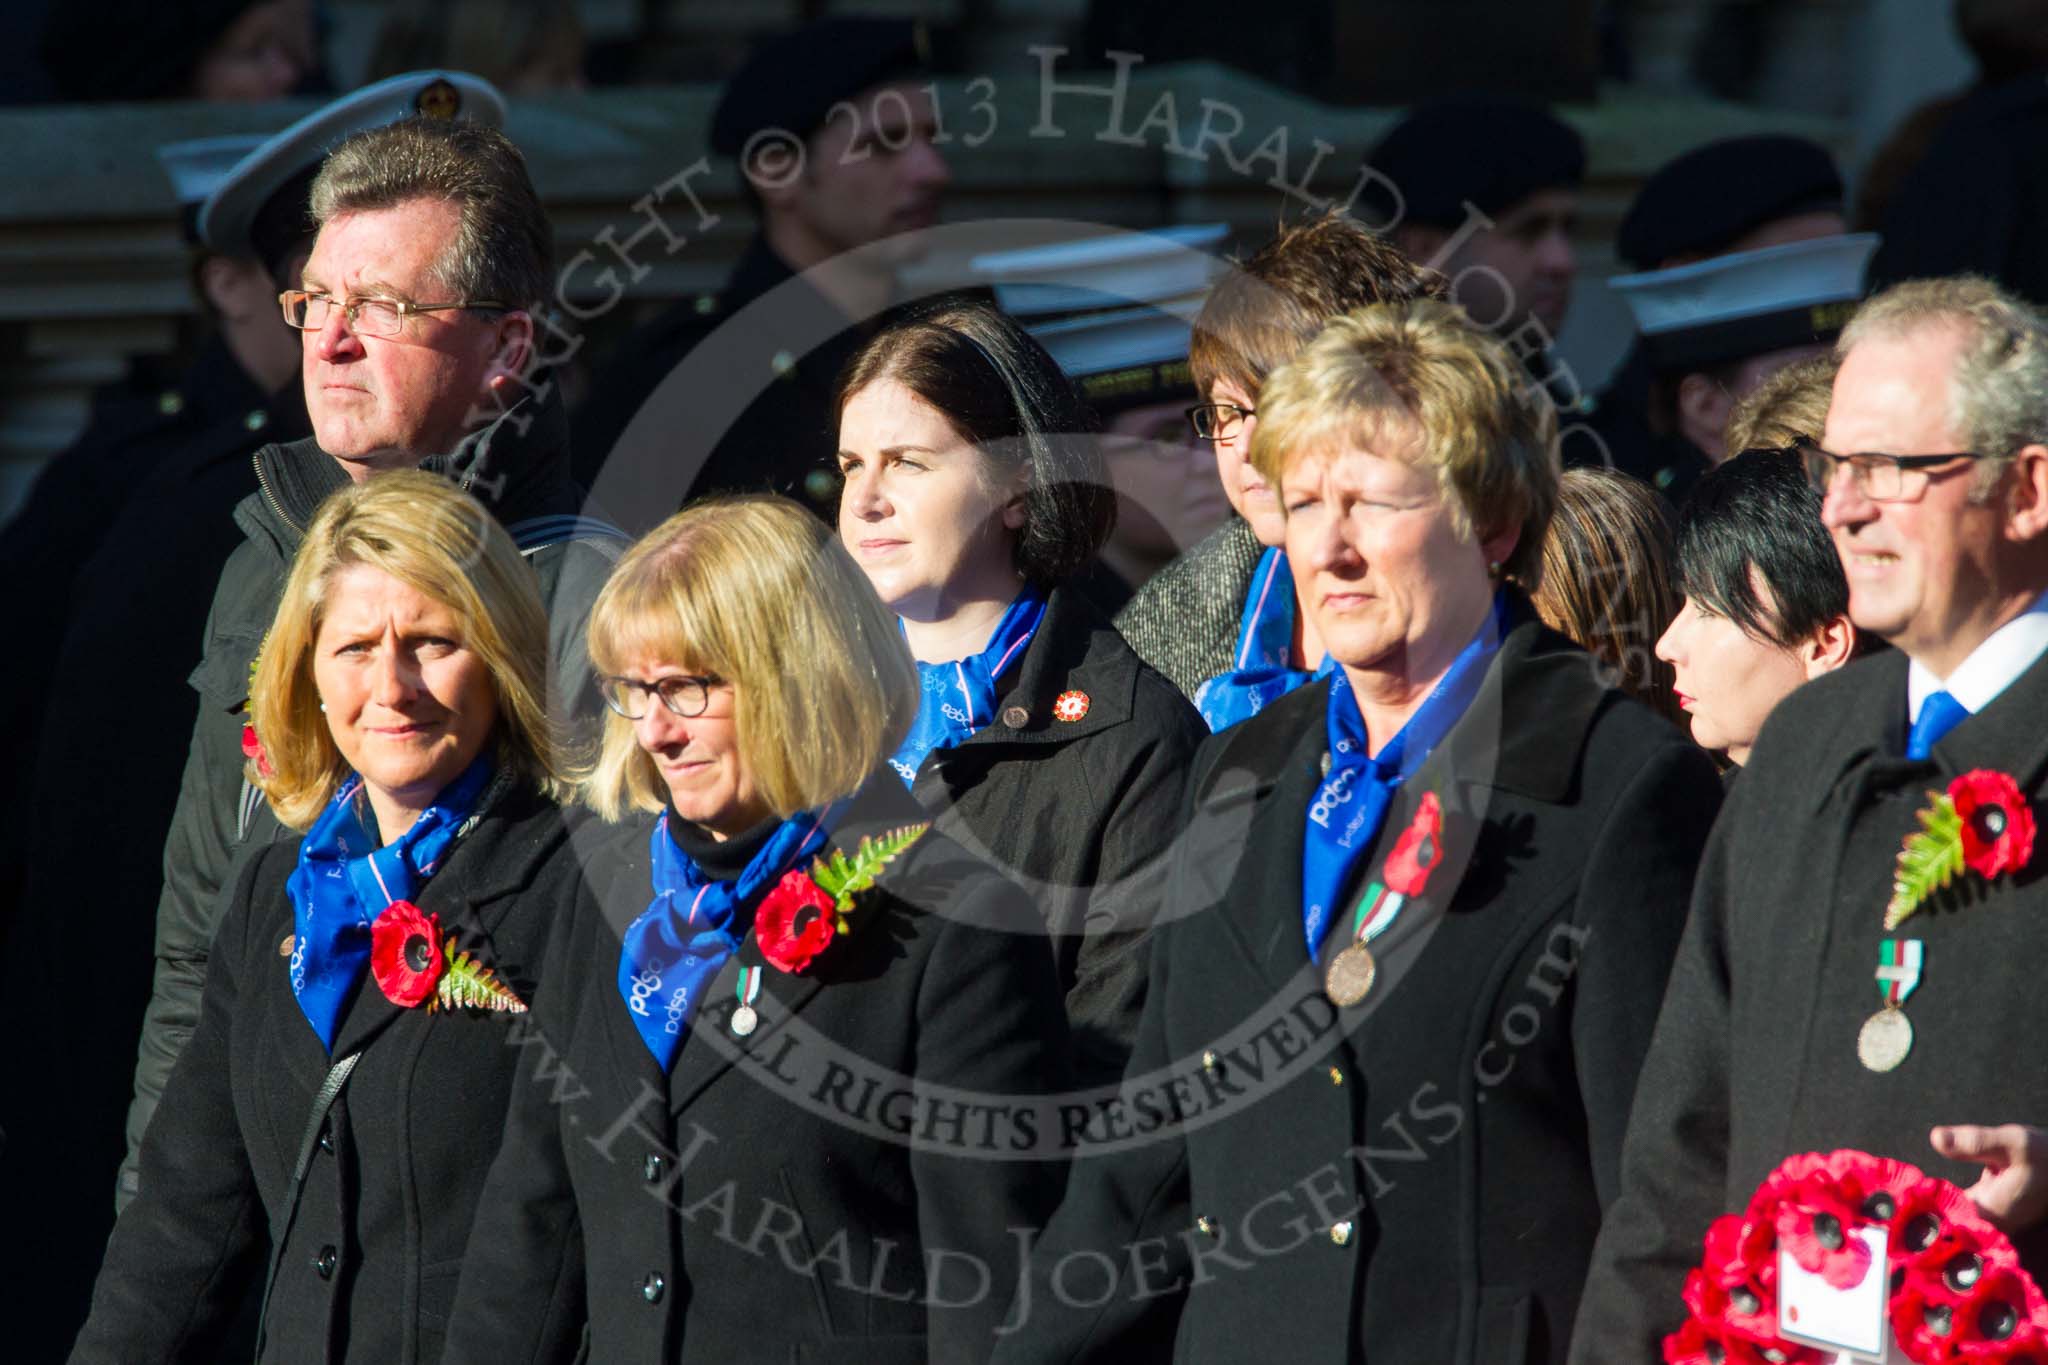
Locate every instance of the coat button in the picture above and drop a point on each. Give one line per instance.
(1206, 1225)
(324, 1263)
(653, 1167)
(1209, 1062)
(1340, 1233)
(1336, 1076)
(651, 1287)
(1016, 717)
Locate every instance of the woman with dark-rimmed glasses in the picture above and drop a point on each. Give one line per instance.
(771, 1111)
(1221, 621)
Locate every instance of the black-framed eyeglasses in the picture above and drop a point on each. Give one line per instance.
(1217, 421)
(685, 695)
(370, 317)
(1875, 475)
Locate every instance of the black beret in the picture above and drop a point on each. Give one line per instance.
(790, 82)
(132, 49)
(1494, 152)
(1711, 197)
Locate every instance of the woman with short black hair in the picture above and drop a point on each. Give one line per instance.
(1766, 603)
(974, 492)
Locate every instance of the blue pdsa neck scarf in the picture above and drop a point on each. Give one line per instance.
(1351, 804)
(1261, 672)
(955, 699)
(344, 882)
(676, 946)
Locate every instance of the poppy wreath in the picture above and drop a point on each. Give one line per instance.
(1957, 1290)
(1981, 824)
(805, 911)
(415, 963)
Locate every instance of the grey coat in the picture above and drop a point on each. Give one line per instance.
(519, 467)
(1183, 622)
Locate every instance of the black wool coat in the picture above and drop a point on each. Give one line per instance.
(368, 1266)
(1081, 813)
(518, 466)
(1415, 1179)
(840, 1185)
(1755, 1055)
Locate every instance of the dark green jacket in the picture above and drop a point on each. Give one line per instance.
(518, 466)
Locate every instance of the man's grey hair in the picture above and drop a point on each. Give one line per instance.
(504, 247)
(1998, 395)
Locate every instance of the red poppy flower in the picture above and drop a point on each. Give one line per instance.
(1742, 1309)
(794, 922)
(252, 748)
(1819, 1230)
(1998, 825)
(405, 953)
(1419, 849)
(1946, 1259)
(1741, 1250)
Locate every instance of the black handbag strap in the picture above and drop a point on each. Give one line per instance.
(330, 1088)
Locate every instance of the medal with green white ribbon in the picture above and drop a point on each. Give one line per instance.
(1351, 973)
(748, 988)
(1887, 1036)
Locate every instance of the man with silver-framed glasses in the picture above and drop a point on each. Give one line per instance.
(416, 316)
(1823, 998)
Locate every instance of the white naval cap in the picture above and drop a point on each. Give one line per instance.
(1731, 307)
(197, 167)
(229, 220)
(1116, 311)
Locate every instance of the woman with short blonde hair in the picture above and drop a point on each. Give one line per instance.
(783, 933)
(1489, 440)
(1461, 854)
(341, 1099)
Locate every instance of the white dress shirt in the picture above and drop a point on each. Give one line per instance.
(1992, 666)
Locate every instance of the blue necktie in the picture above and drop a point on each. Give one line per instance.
(1939, 714)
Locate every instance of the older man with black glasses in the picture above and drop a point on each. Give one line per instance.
(1828, 994)
(416, 310)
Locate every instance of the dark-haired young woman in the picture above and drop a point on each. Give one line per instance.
(1766, 604)
(974, 491)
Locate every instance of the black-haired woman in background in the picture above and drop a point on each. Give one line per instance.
(1766, 603)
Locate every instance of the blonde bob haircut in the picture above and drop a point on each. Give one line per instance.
(1488, 434)
(429, 535)
(758, 592)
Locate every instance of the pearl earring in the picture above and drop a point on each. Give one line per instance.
(323, 708)
(1492, 571)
